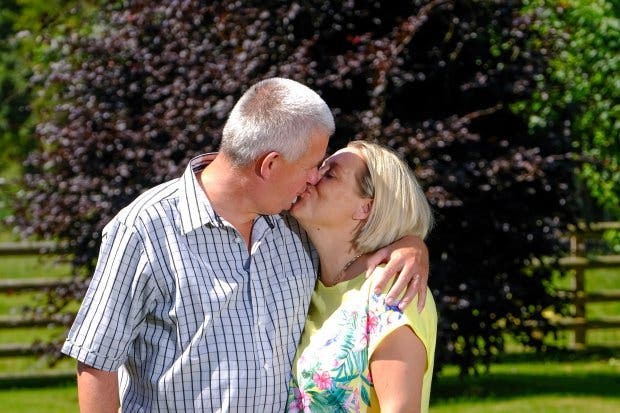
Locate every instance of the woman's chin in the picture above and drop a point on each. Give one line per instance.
(300, 209)
(302, 205)
(297, 208)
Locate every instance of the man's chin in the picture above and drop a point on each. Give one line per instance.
(294, 209)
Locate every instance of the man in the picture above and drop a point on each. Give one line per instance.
(201, 289)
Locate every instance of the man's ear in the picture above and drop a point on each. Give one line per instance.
(363, 212)
(267, 164)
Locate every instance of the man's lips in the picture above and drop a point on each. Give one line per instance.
(305, 194)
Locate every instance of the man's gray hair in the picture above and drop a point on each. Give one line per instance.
(278, 115)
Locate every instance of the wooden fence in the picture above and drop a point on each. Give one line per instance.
(579, 261)
(17, 286)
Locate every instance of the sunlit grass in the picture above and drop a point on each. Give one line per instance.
(49, 400)
(567, 382)
(34, 364)
(28, 335)
(33, 267)
(534, 404)
(57, 399)
(557, 382)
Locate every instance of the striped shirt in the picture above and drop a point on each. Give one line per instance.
(190, 318)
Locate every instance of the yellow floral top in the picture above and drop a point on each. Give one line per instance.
(345, 324)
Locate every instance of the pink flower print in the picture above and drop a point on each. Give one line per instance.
(353, 401)
(301, 402)
(322, 380)
(362, 341)
(371, 323)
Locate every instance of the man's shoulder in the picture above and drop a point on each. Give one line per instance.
(145, 206)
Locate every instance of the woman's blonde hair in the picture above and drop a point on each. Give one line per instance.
(399, 205)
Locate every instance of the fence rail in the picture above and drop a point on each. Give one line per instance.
(30, 248)
(33, 284)
(21, 322)
(578, 262)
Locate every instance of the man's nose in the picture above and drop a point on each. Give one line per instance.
(314, 177)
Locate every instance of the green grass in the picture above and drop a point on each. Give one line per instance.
(29, 335)
(559, 382)
(14, 303)
(34, 364)
(58, 399)
(33, 267)
(532, 404)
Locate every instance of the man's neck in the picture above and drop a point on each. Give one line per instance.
(229, 189)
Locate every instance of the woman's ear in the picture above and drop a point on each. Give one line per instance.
(267, 164)
(363, 212)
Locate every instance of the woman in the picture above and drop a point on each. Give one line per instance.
(358, 353)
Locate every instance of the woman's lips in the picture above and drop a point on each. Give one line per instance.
(305, 194)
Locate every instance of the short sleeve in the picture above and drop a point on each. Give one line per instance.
(384, 319)
(115, 303)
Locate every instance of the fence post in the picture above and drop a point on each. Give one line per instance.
(577, 249)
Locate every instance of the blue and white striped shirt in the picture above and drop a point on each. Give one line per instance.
(190, 319)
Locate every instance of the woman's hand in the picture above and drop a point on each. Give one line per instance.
(407, 258)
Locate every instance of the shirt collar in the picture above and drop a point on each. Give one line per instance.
(195, 209)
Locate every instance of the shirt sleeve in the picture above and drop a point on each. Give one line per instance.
(115, 305)
(384, 319)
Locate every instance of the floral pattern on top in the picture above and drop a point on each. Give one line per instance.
(332, 373)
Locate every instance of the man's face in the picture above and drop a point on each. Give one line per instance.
(292, 178)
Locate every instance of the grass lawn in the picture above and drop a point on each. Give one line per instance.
(564, 381)
(33, 267)
(57, 399)
(527, 383)
(532, 404)
(30, 334)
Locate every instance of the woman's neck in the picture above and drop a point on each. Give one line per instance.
(335, 252)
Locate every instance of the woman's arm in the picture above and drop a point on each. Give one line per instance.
(397, 367)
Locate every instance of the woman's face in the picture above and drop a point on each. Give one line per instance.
(335, 200)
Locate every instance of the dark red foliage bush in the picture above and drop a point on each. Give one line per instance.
(433, 79)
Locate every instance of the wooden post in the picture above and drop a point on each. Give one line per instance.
(577, 248)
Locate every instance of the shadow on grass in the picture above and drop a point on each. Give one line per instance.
(595, 372)
(592, 353)
(37, 381)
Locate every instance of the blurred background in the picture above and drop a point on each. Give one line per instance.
(507, 111)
